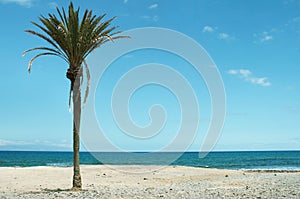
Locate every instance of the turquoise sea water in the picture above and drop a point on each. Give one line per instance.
(258, 160)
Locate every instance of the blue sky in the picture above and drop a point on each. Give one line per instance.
(255, 45)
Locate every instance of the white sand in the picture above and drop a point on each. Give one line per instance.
(147, 182)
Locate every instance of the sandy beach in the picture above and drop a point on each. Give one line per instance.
(147, 182)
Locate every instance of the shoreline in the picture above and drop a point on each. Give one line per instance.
(119, 181)
(271, 170)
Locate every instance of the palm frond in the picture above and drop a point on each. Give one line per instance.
(60, 54)
(37, 56)
(88, 77)
(42, 36)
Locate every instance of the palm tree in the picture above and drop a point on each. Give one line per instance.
(73, 40)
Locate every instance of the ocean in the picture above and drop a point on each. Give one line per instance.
(246, 160)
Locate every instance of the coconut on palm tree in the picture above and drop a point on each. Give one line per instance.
(73, 40)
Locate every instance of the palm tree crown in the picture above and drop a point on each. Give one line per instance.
(71, 39)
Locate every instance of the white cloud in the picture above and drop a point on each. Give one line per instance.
(63, 144)
(154, 18)
(264, 36)
(223, 36)
(232, 72)
(220, 35)
(245, 73)
(10, 142)
(153, 6)
(263, 81)
(26, 3)
(247, 76)
(34, 143)
(208, 29)
(125, 1)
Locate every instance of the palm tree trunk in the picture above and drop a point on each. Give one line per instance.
(77, 185)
